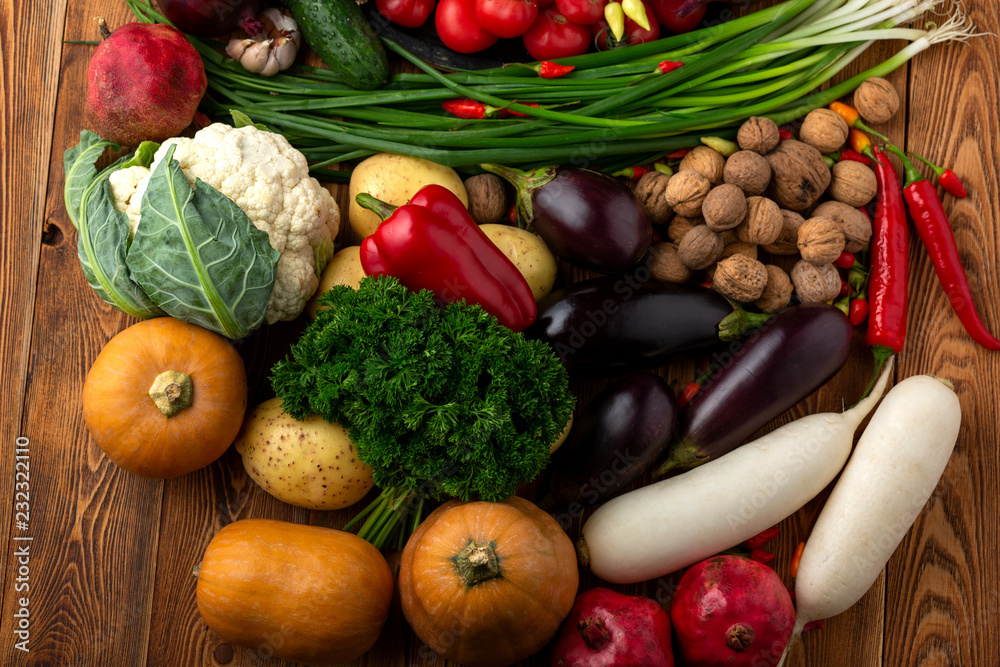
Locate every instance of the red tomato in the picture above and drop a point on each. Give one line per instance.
(551, 36)
(408, 13)
(634, 33)
(584, 12)
(506, 18)
(458, 28)
(666, 14)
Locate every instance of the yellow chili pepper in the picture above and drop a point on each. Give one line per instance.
(615, 16)
(635, 10)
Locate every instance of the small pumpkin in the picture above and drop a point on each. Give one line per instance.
(487, 584)
(302, 593)
(165, 397)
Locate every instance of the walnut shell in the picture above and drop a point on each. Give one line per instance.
(680, 226)
(706, 161)
(748, 171)
(825, 130)
(815, 283)
(821, 240)
(739, 248)
(855, 224)
(686, 191)
(876, 100)
(740, 278)
(665, 263)
(853, 183)
(724, 208)
(777, 292)
(799, 175)
(759, 135)
(651, 191)
(787, 242)
(487, 198)
(763, 223)
(699, 248)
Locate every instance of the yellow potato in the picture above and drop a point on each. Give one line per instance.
(528, 253)
(394, 179)
(344, 269)
(311, 463)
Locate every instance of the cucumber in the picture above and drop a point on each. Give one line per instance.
(343, 39)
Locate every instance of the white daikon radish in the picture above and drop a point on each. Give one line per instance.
(665, 526)
(891, 475)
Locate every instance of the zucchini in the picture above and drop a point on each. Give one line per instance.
(343, 39)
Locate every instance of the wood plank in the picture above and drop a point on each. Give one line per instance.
(943, 576)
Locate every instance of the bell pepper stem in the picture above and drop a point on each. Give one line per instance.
(377, 206)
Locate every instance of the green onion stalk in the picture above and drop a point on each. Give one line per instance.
(613, 110)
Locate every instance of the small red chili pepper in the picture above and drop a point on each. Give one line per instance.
(690, 389)
(707, 283)
(762, 556)
(845, 289)
(521, 114)
(668, 66)
(635, 172)
(947, 179)
(785, 135)
(679, 154)
(657, 237)
(937, 236)
(852, 156)
(512, 214)
(433, 243)
(845, 261)
(550, 70)
(468, 109)
(762, 538)
(797, 558)
(859, 311)
(813, 625)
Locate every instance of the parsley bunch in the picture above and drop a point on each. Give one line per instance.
(440, 402)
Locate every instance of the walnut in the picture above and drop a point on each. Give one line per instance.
(699, 248)
(487, 198)
(706, 161)
(651, 191)
(740, 278)
(787, 242)
(815, 283)
(799, 177)
(680, 226)
(724, 208)
(876, 100)
(759, 135)
(825, 130)
(763, 223)
(856, 225)
(686, 191)
(748, 171)
(777, 292)
(853, 183)
(729, 236)
(665, 263)
(821, 240)
(739, 248)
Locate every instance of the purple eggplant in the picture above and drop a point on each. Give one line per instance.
(619, 435)
(617, 324)
(585, 217)
(784, 361)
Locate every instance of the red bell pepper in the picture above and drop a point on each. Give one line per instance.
(433, 243)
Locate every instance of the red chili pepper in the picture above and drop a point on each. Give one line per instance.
(512, 214)
(550, 70)
(797, 558)
(690, 389)
(762, 538)
(890, 265)
(845, 289)
(521, 114)
(433, 243)
(845, 261)
(813, 625)
(947, 179)
(679, 154)
(668, 66)
(935, 232)
(859, 311)
(785, 135)
(762, 556)
(852, 156)
(635, 172)
(466, 108)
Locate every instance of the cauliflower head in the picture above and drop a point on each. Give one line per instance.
(269, 180)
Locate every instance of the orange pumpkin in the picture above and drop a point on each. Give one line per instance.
(487, 583)
(165, 397)
(302, 593)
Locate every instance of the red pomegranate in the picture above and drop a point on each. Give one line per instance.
(609, 629)
(144, 82)
(733, 611)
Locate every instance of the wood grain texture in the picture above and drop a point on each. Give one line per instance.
(112, 582)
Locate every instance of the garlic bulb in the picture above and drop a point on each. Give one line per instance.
(273, 49)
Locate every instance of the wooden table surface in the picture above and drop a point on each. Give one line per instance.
(108, 571)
